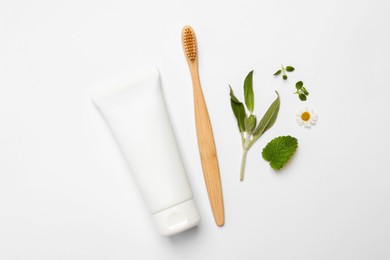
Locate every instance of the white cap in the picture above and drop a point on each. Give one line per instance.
(177, 219)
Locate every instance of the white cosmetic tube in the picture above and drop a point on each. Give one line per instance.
(138, 118)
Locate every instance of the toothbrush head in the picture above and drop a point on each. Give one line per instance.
(189, 42)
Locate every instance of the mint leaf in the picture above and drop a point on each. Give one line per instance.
(238, 110)
(248, 92)
(279, 151)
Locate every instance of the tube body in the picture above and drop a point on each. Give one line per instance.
(138, 118)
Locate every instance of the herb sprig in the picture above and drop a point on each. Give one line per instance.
(283, 71)
(301, 91)
(247, 122)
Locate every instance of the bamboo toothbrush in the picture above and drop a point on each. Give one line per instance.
(204, 132)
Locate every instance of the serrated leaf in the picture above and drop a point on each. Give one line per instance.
(269, 118)
(278, 72)
(279, 151)
(299, 85)
(284, 77)
(250, 123)
(290, 68)
(302, 97)
(248, 92)
(238, 110)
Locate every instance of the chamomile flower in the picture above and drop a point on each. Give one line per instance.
(306, 117)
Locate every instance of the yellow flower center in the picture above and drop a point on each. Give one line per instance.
(305, 116)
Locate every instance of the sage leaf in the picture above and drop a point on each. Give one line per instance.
(250, 123)
(290, 68)
(248, 92)
(278, 72)
(238, 110)
(269, 118)
(232, 96)
(247, 123)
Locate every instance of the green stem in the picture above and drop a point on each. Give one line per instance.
(243, 162)
(249, 145)
(242, 138)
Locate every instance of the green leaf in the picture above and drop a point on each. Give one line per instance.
(238, 110)
(248, 92)
(290, 68)
(302, 97)
(269, 118)
(305, 91)
(232, 96)
(299, 85)
(278, 72)
(250, 123)
(279, 151)
(284, 77)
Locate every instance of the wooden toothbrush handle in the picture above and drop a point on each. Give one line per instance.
(208, 154)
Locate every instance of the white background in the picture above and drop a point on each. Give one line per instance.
(66, 192)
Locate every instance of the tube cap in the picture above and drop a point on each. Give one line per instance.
(177, 219)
